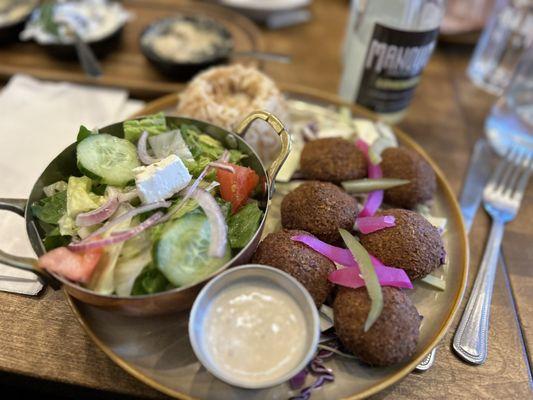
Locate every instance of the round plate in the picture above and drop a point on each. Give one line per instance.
(156, 350)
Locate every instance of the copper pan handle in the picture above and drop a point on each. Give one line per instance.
(18, 206)
(284, 136)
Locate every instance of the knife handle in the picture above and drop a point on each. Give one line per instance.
(471, 337)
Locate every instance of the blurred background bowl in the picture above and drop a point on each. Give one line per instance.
(183, 71)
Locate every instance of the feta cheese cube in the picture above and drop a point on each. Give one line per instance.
(161, 180)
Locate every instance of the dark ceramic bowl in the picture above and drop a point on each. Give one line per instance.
(183, 71)
(9, 32)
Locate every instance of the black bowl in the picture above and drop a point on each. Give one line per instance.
(10, 32)
(183, 71)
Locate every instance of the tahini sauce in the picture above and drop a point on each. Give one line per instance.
(255, 332)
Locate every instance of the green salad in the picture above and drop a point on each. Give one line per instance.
(161, 208)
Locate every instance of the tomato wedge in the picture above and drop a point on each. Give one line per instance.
(77, 267)
(237, 186)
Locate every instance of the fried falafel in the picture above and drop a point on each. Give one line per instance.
(332, 160)
(404, 163)
(320, 208)
(306, 265)
(392, 338)
(413, 244)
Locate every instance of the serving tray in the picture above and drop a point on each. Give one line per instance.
(156, 350)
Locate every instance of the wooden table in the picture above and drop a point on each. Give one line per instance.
(42, 340)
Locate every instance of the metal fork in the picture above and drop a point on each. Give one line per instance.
(501, 199)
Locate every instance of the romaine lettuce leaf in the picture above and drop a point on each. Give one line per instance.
(50, 209)
(149, 281)
(79, 196)
(153, 124)
(67, 226)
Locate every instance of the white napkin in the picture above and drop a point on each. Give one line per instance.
(37, 121)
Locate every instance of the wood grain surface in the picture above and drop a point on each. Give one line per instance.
(126, 66)
(40, 338)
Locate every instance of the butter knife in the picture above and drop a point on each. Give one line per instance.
(477, 176)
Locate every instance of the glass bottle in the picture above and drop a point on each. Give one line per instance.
(388, 43)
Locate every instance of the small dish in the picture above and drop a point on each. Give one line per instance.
(242, 285)
(13, 16)
(170, 31)
(99, 23)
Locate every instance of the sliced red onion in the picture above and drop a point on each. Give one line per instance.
(387, 276)
(117, 237)
(125, 216)
(147, 223)
(220, 165)
(142, 150)
(225, 156)
(219, 230)
(190, 190)
(102, 213)
(372, 224)
(375, 198)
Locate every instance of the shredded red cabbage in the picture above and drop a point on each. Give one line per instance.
(318, 369)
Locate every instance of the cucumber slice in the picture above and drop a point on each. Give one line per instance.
(108, 159)
(182, 251)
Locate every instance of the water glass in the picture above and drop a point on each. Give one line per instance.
(511, 119)
(508, 33)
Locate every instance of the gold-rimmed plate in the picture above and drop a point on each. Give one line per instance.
(156, 350)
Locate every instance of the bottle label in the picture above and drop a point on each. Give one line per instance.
(393, 63)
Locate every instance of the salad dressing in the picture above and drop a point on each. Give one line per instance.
(255, 332)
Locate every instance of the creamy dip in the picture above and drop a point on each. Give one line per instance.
(254, 333)
(14, 10)
(187, 41)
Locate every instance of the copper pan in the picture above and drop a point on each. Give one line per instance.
(177, 299)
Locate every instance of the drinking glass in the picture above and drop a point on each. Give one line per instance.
(511, 119)
(508, 32)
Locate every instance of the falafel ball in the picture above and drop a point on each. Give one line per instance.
(307, 266)
(413, 244)
(403, 163)
(332, 160)
(391, 339)
(320, 208)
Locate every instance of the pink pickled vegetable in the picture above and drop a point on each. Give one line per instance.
(375, 198)
(387, 276)
(372, 224)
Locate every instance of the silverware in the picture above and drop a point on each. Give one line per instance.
(476, 178)
(264, 56)
(501, 199)
(86, 57)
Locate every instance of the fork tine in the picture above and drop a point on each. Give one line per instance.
(522, 183)
(521, 163)
(509, 163)
(495, 177)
